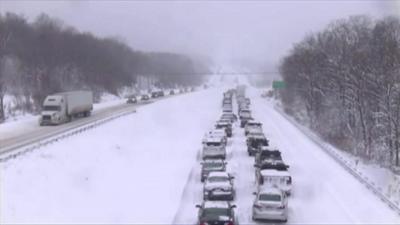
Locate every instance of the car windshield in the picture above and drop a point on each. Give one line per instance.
(245, 114)
(257, 142)
(218, 179)
(210, 165)
(269, 197)
(51, 108)
(220, 214)
(213, 144)
(280, 166)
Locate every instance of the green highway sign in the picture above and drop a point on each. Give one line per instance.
(278, 84)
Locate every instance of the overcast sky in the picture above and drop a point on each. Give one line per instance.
(262, 30)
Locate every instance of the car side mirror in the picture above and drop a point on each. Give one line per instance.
(256, 166)
(254, 193)
(233, 206)
(198, 206)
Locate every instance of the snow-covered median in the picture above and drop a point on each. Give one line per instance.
(132, 170)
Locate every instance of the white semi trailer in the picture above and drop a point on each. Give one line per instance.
(62, 107)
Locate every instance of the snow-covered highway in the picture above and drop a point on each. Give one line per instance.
(323, 192)
(145, 168)
(21, 133)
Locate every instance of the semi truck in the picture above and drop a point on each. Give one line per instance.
(63, 107)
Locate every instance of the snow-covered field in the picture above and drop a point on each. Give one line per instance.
(144, 168)
(132, 170)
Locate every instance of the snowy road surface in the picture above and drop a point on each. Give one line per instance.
(323, 192)
(144, 168)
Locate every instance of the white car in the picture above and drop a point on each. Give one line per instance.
(278, 178)
(214, 148)
(253, 127)
(216, 134)
(270, 203)
(218, 186)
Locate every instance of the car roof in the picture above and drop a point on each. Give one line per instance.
(218, 174)
(274, 173)
(269, 148)
(213, 161)
(267, 189)
(222, 123)
(257, 135)
(216, 204)
(254, 122)
(213, 139)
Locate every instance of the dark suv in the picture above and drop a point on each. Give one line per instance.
(255, 142)
(267, 153)
(216, 213)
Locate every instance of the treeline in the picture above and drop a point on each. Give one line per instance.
(45, 56)
(346, 79)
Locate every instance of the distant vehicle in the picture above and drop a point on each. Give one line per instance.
(214, 148)
(171, 92)
(270, 203)
(216, 213)
(244, 113)
(63, 107)
(208, 166)
(157, 94)
(216, 134)
(252, 125)
(226, 101)
(244, 120)
(274, 173)
(231, 116)
(245, 116)
(254, 142)
(227, 127)
(269, 93)
(226, 109)
(132, 100)
(144, 97)
(265, 153)
(218, 186)
(252, 130)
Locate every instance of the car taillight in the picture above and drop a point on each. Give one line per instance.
(281, 207)
(229, 223)
(203, 223)
(257, 206)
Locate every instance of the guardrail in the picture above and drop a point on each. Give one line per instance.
(370, 185)
(54, 137)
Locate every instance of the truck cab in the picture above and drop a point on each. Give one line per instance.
(54, 107)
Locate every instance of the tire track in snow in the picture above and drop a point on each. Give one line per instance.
(323, 191)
